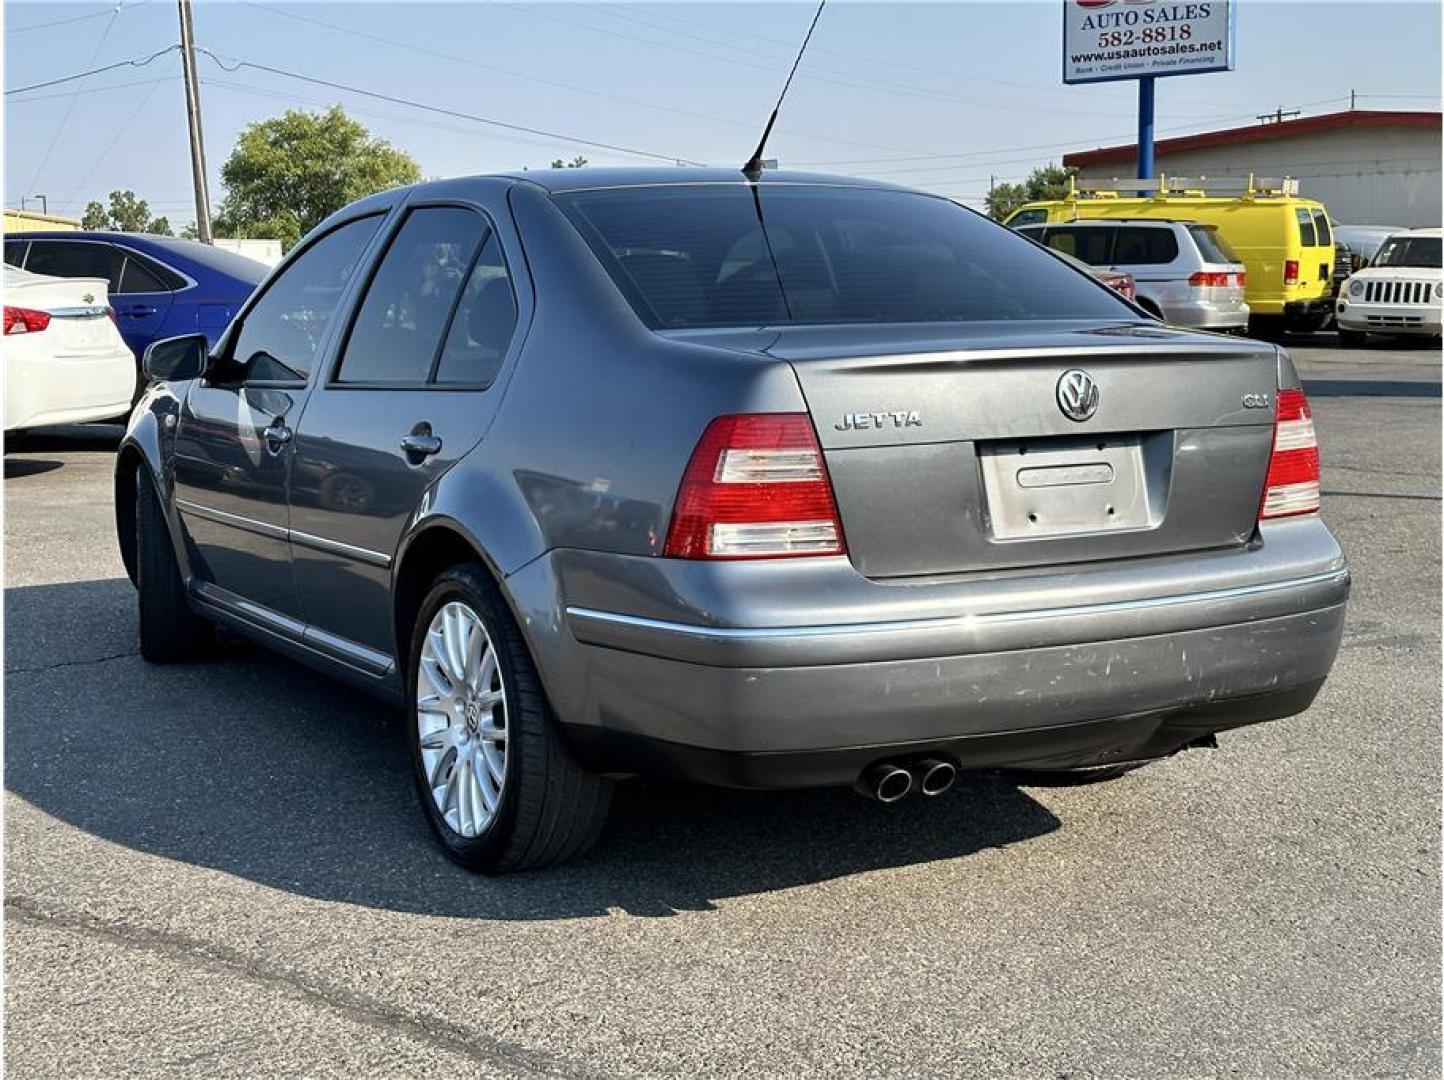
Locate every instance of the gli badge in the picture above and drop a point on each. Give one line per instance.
(1077, 394)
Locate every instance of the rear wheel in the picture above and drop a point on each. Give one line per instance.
(496, 782)
(169, 630)
(1352, 339)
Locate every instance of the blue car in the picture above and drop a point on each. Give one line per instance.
(159, 286)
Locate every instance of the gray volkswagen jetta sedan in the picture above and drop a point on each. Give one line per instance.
(758, 481)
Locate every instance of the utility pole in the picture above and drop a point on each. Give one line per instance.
(193, 119)
(1353, 98)
(1278, 116)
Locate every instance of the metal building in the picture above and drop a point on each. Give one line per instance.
(1368, 167)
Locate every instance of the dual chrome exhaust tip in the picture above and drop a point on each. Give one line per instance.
(887, 782)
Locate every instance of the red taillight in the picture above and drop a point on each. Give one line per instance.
(19, 320)
(1211, 279)
(756, 487)
(1293, 481)
(1291, 272)
(1242, 279)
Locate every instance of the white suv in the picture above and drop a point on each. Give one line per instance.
(1400, 292)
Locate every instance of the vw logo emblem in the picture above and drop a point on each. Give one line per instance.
(1077, 394)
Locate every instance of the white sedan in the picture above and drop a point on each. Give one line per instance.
(65, 361)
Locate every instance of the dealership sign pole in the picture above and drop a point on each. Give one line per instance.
(1108, 40)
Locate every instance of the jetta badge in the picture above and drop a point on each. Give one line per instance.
(1077, 394)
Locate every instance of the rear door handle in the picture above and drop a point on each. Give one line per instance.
(140, 311)
(421, 446)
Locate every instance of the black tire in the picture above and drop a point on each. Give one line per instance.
(1352, 339)
(169, 630)
(550, 809)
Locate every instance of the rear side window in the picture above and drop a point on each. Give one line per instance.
(1028, 217)
(1308, 237)
(75, 259)
(135, 278)
(1321, 227)
(1138, 246)
(1091, 244)
(482, 327)
(15, 252)
(1213, 247)
(398, 328)
(700, 255)
(282, 333)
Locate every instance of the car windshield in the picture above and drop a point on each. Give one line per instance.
(1410, 251)
(713, 255)
(1213, 247)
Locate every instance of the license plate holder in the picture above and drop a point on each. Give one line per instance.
(1075, 486)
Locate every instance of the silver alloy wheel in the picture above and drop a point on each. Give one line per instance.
(461, 719)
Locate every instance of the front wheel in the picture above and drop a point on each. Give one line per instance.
(496, 782)
(169, 630)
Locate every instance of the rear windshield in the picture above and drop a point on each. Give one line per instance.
(1321, 224)
(1410, 251)
(710, 255)
(1211, 246)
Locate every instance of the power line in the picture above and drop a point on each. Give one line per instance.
(56, 22)
(476, 64)
(134, 62)
(88, 90)
(507, 125)
(70, 107)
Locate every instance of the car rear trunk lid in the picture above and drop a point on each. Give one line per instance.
(950, 450)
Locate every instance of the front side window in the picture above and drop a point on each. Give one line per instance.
(282, 333)
(62, 258)
(711, 255)
(399, 326)
(1307, 235)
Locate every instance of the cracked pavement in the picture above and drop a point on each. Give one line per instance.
(218, 870)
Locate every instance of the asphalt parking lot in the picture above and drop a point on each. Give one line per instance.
(218, 869)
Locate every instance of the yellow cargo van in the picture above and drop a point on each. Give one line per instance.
(1284, 241)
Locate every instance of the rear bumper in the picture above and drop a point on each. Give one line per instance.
(41, 390)
(1207, 315)
(776, 675)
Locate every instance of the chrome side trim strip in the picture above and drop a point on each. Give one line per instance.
(336, 547)
(754, 633)
(260, 528)
(278, 532)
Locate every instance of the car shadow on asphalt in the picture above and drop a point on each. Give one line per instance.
(255, 766)
(71, 437)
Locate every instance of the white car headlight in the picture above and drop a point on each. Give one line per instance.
(1356, 288)
(1439, 288)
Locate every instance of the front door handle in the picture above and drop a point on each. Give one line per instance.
(417, 446)
(277, 436)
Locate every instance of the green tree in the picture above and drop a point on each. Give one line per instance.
(575, 163)
(288, 173)
(1046, 182)
(126, 213)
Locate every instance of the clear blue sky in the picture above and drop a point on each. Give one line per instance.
(936, 95)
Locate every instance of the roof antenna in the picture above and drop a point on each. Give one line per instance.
(753, 169)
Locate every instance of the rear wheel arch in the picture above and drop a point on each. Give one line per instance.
(427, 555)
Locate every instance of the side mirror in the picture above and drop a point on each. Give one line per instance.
(176, 358)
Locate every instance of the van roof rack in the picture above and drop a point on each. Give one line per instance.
(1246, 187)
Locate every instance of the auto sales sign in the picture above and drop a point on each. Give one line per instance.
(1131, 39)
